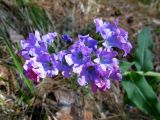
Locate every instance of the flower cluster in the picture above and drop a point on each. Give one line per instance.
(93, 65)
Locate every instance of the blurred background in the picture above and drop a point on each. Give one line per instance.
(20, 17)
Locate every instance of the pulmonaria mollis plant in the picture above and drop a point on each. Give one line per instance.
(95, 64)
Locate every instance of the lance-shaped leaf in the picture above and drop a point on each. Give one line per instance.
(125, 66)
(16, 61)
(141, 94)
(143, 52)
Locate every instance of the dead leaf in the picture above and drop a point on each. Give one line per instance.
(64, 116)
(64, 96)
(4, 72)
(88, 115)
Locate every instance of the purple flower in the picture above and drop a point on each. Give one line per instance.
(67, 38)
(31, 52)
(63, 65)
(105, 56)
(88, 41)
(119, 39)
(114, 70)
(34, 70)
(49, 64)
(93, 65)
(32, 46)
(49, 38)
(103, 28)
(99, 24)
(79, 54)
(32, 75)
(101, 86)
(94, 74)
(31, 41)
(114, 36)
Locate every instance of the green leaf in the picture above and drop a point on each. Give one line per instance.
(146, 2)
(141, 94)
(158, 30)
(153, 81)
(31, 17)
(125, 66)
(143, 54)
(16, 62)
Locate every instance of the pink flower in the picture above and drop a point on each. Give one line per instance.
(32, 75)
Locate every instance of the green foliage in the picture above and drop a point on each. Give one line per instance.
(143, 54)
(32, 18)
(27, 18)
(146, 2)
(125, 66)
(141, 94)
(16, 61)
(2, 101)
(158, 30)
(153, 81)
(22, 2)
(141, 85)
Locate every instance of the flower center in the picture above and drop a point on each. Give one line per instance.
(90, 68)
(102, 59)
(49, 64)
(80, 55)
